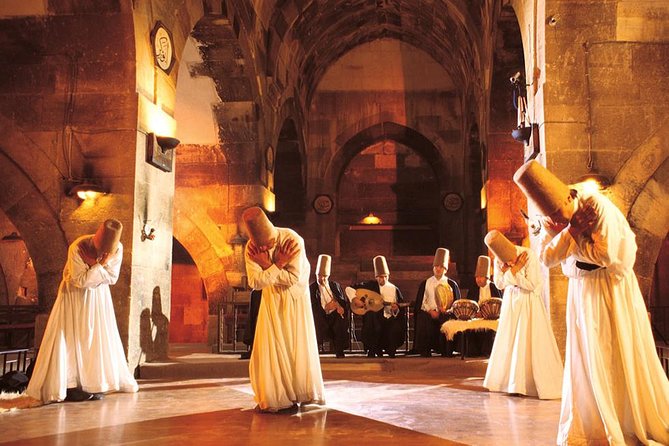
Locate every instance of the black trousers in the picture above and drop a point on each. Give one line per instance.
(381, 334)
(332, 327)
(428, 336)
(252, 319)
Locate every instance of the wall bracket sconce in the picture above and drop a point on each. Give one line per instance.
(160, 151)
(85, 190)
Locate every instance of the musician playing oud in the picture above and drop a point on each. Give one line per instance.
(435, 296)
(329, 307)
(382, 330)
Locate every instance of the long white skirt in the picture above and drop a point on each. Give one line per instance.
(285, 367)
(615, 391)
(525, 358)
(81, 348)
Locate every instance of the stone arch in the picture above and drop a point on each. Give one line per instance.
(203, 250)
(26, 197)
(289, 176)
(352, 144)
(212, 175)
(640, 189)
(504, 154)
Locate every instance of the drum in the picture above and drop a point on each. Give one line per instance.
(465, 309)
(490, 308)
(444, 296)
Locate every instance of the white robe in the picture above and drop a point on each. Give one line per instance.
(614, 390)
(81, 345)
(525, 358)
(284, 367)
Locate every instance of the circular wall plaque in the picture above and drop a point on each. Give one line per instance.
(322, 204)
(163, 47)
(452, 202)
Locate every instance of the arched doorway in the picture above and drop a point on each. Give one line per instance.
(394, 183)
(289, 184)
(658, 302)
(189, 308)
(504, 154)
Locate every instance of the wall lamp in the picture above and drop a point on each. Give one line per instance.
(371, 219)
(86, 191)
(160, 151)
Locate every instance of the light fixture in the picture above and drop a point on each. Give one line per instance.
(13, 237)
(371, 219)
(86, 191)
(167, 142)
(593, 182)
(523, 131)
(159, 151)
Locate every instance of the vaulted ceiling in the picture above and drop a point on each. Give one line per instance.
(297, 40)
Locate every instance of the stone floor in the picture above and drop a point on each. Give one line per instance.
(401, 401)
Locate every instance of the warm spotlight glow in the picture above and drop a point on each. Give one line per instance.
(371, 219)
(86, 191)
(269, 202)
(593, 183)
(155, 119)
(160, 122)
(87, 194)
(484, 196)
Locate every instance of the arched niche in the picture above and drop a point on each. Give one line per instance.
(289, 176)
(189, 308)
(26, 202)
(18, 281)
(394, 183)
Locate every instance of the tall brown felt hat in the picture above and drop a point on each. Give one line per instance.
(380, 266)
(108, 236)
(542, 187)
(483, 267)
(501, 246)
(441, 257)
(323, 265)
(261, 231)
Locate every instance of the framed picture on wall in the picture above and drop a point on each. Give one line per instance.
(163, 47)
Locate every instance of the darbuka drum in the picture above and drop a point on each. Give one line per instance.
(490, 308)
(444, 296)
(465, 309)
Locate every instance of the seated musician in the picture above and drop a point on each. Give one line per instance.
(329, 307)
(480, 343)
(383, 330)
(486, 289)
(429, 314)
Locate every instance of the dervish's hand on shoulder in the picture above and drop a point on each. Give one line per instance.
(285, 253)
(87, 253)
(103, 258)
(551, 227)
(261, 257)
(520, 262)
(582, 221)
